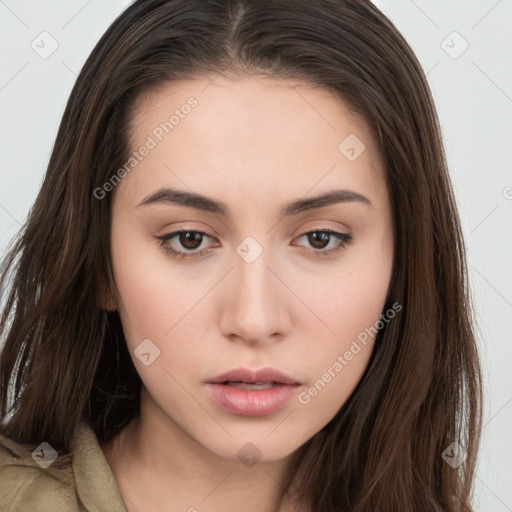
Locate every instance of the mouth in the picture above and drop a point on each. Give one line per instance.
(245, 392)
(251, 385)
(265, 377)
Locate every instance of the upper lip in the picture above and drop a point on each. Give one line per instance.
(251, 376)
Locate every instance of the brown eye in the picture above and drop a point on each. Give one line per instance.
(187, 242)
(190, 239)
(186, 245)
(319, 239)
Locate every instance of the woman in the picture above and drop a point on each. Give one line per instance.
(243, 282)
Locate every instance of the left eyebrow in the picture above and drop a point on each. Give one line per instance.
(209, 205)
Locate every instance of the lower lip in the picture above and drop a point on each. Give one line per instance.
(251, 402)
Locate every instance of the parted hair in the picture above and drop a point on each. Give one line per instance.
(63, 355)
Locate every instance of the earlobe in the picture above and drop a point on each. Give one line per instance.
(108, 305)
(105, 300)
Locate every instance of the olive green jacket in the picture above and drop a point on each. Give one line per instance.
(79, 481)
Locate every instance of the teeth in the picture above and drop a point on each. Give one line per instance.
(251, 385)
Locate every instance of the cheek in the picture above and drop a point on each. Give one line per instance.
(360, 292)
(153, 295)
(160, 302)
(145, 306)
(348, 300)
(351, 307)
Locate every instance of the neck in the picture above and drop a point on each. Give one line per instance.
(158, 466)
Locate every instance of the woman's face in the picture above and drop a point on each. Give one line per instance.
(240, 166)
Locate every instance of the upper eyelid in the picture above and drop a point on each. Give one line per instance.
(343, 239)
(176, 232)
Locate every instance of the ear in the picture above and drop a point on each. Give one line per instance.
(107, 303)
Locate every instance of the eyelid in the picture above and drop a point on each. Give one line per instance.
(343, 239)
(186, 227)
(323, 225)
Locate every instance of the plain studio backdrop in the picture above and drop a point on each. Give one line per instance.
(465, 48)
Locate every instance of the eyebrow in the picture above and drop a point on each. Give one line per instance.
(206, 204)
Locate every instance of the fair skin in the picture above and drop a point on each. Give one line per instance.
(254, 144)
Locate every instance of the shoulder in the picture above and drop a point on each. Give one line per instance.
(27, 482)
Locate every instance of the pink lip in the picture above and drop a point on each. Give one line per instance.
(252, 402)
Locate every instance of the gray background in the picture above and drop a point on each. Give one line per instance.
(472, 88)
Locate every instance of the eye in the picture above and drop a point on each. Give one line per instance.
(321, 238)
(191, 241)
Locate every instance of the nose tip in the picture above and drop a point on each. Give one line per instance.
(254, 309)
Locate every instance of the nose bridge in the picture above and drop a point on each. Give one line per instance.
(255, 308)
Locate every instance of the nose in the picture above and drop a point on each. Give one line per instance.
(255, 304)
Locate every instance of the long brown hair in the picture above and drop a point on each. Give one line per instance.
(64, 358)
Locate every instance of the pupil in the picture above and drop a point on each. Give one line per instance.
(189, 239)
(323, 238)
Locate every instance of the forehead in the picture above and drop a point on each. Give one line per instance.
(223, 136)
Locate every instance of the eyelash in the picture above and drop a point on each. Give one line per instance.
(344, 240)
